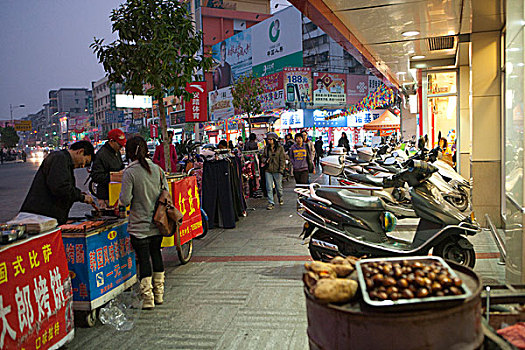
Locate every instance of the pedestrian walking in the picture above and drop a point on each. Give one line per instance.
(251, 145)
(311, 151)
(142, 183)
(274, 162)
(299, 158)
(318, 150)
(107, 160)
(343, 142)
(288, 142)
(53, 190)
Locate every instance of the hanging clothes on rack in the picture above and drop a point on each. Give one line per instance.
(217, 198)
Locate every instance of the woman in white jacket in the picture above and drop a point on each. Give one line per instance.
(142, 182)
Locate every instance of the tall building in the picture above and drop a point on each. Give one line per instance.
(324, 54)
(104, 109)
(73, 101)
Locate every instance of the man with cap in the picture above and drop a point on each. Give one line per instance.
(107, 160)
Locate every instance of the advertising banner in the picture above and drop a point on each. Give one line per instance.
(320, 115)
(277, 42)
(273, 96)
(114, 116)
(197, 107)
(329, 89)
(185, 195)
(79, 124)
(298, 84)
(221, 104)
(357, 88)
(133, 101)
(235, 58)
(36, 304)
(100, 263)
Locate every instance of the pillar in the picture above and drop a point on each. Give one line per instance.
(486, 125)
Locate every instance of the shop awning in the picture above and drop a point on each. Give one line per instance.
(387, 120)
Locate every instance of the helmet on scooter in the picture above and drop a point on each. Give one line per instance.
(389, 221)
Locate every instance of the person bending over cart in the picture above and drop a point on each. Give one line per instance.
(142, 182)
(53, 190)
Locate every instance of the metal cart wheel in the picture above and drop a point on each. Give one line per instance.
(184, 252)
(91, 318)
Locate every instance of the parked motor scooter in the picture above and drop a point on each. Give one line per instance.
(340, 222)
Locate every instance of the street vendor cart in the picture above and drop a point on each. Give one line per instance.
(185, 197)
(101, 262)
(35, 293)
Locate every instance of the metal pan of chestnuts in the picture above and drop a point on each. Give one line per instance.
(409, 281)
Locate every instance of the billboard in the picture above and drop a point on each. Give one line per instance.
(235, 59)
(357, 88)
(263, 49)
(329, 89)
(273, 96)
(298, 84)
(23, 125)
(278, 42)
(221, 104)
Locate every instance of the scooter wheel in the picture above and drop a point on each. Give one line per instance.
(451, 250)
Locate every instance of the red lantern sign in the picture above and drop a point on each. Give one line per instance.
(197, 107)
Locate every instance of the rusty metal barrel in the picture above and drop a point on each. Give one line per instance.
(355, 326)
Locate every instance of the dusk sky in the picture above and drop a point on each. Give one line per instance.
(45, 46)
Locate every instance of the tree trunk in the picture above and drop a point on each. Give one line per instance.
(249, 124)
(164, 133)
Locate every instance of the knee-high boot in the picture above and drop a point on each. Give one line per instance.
(158, 287)
(146, 290)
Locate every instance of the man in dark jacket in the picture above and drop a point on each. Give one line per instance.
(108, 159)
(53, 190)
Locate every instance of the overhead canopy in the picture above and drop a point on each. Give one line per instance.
(387, 120)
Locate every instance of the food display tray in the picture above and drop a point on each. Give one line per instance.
(414, 303)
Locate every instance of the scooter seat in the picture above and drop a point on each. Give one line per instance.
(349, 200)
(366, 179)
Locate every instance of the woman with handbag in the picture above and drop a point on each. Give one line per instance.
(142, 183)
(275, 162)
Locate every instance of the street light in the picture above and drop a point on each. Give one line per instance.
(11, 107)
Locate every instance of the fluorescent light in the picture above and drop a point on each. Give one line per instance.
(410, 33)
(514, 49)
(401, 73)
(418, 57)
(521, 64)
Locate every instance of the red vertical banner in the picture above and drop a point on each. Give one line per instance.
(185, 194)
(36, 302)
(153, 131)
(197, 107)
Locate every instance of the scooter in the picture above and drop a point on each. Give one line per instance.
(339, 222)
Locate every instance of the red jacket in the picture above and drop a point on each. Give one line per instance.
(158, 157)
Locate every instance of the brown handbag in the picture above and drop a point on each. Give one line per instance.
(166, 217)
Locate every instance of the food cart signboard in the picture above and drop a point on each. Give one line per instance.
(36, 305)
(100, 262)
(329, 89)
(197, 107)
(185, 194)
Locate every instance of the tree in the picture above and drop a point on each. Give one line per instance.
(157, 46)
(245, 91)
(9, 137)
(144, 132)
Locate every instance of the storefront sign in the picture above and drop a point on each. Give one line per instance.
(100, 262)
(319, 118)
(36, 304)
(185, 194)
(273, 96)
(221, 104)
(275, 43)
(357, 88)
(298, 84)
(113, 117)
(292, 119)
(63, 124)
(329, 89)
(79, 124)
(197, 107)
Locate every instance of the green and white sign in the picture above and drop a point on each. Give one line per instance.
(277, 42)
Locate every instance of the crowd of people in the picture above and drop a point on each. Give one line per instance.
(11, 154)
